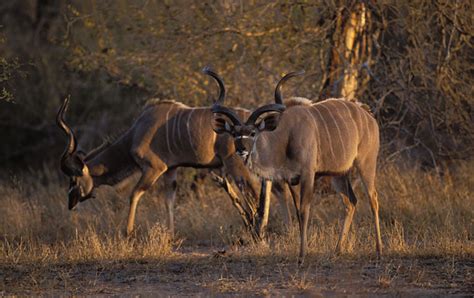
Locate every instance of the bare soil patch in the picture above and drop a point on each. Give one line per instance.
(204, 271)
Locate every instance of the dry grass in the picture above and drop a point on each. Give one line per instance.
(422, 214)
(427, 226)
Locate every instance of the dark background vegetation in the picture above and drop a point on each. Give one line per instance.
(412, 60)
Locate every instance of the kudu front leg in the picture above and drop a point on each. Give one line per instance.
(134, 199)
(149, 176)
(306, 194)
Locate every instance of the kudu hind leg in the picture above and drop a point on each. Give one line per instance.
(284, 198)
(170, 187)
(295, 196)
(374, 204)
(367, 174)
(344, 190)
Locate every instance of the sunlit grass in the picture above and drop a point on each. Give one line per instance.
(422, 214)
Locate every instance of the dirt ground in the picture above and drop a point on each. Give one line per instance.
(203, 271)
(427, 235)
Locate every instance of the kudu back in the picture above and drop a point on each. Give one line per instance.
(301, 141)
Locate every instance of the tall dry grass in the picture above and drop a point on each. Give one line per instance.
(422, 214)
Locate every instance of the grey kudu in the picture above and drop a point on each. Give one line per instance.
(166, 135)
(301, 141)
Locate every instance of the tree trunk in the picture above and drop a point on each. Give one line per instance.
(351, 52)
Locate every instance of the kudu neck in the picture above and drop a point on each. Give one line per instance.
(267, 153)
(113, 163)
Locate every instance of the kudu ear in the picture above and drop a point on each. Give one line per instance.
(221, 124)
(268, 121)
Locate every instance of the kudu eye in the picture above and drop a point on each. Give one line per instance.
(237, 134)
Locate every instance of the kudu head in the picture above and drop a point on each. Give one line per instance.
(73, 165)
(264, 118)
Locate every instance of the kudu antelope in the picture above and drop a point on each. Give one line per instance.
(302, 141)
(166, 135)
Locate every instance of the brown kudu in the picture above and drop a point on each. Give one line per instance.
(301, 141)
(167, 135)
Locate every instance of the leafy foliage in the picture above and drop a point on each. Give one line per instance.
(111, 56)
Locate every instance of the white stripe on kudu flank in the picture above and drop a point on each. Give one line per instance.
(174, 134)
(180, 142)
(326, 129)
(341, 116)
(367, 132)
(350, 116)
(189, 133)
(200, 120)
(344, 119)
(167, 134)
(331, 111)
(317, 130)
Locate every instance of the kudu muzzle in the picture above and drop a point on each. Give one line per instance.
(244, 145)
(76, 195)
